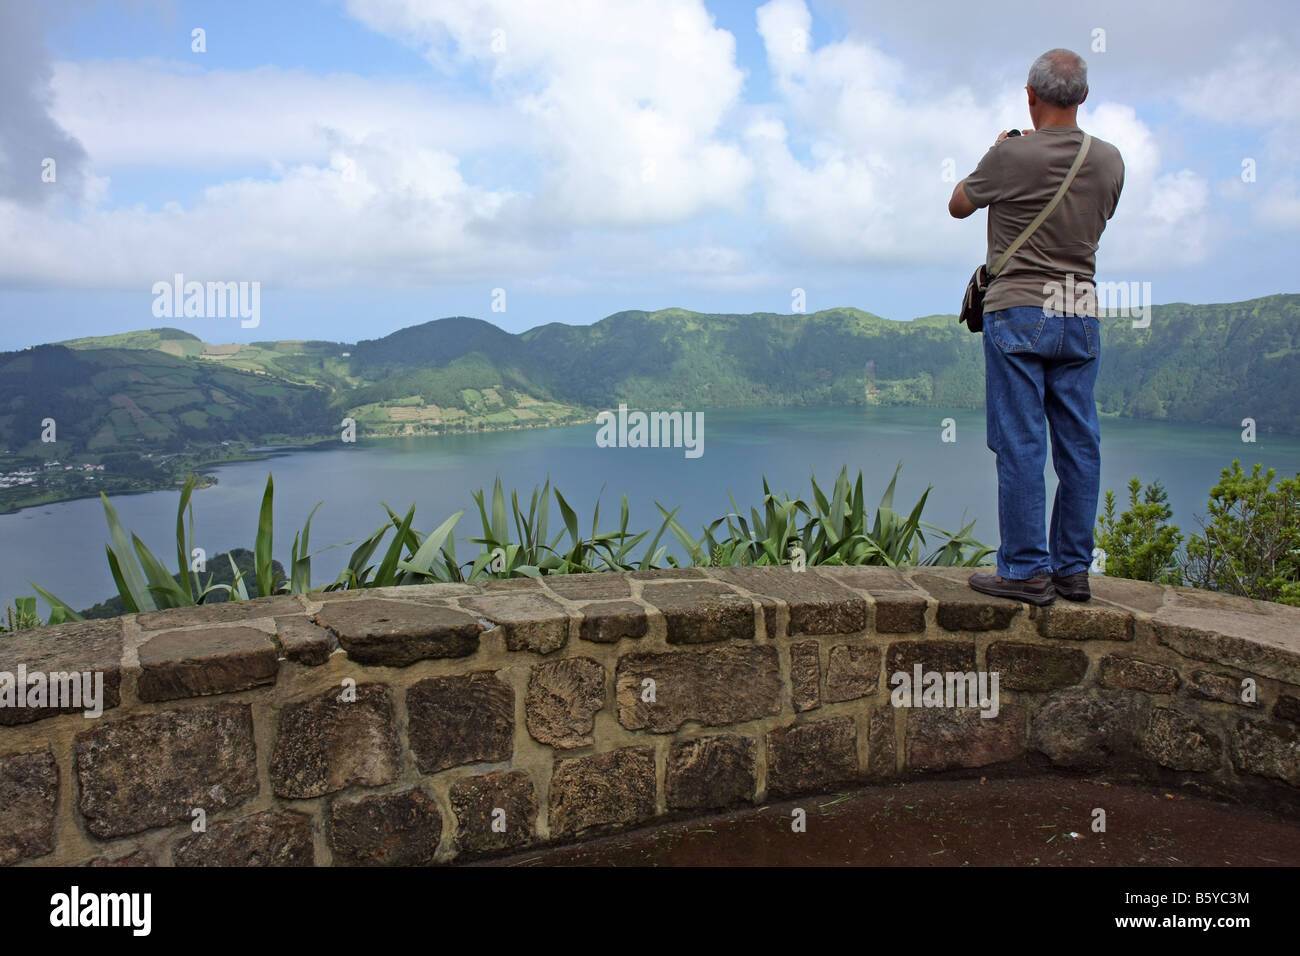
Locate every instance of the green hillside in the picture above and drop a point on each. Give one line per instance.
(454, 385)
(1208, 364)
(452, 374)
(678, 357)
(172, 341)
(1204, 364)
(107, 399)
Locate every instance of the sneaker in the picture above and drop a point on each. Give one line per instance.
(1037, 590)
(1073, 587)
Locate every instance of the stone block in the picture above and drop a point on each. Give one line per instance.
(852, 672)
(204, 661)
(715, 687)
(29, 790)
(948, 738)
(529, 622)
(1178, 741)
(602, 790)
(562, 700)
(710, 773)
(609, 622)
(805, 675)
(399, 633)
(1033, 667)
(812, 757)
(461, 719)
(385, 829)
(700, 612)
(495, 811)
(1129, 673)
(324, 744)
(271, 838)
(152, 770)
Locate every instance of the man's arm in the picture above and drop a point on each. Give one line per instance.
(1119, 188)
(960, 206)
(985, 183)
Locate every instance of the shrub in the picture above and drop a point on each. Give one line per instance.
(1251, 542)
(1140, 544)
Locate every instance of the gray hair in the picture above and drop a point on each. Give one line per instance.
(1059, 77)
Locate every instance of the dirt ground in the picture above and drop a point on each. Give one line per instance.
(1040, 821)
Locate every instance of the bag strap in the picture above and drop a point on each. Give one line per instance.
(1047, 210)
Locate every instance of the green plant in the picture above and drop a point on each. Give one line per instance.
(516, 542)
(1251, 542)
(430, 558)
(1140, 543)
(532, 555)
(834, 532)
(22, 615)
(300, 557)
(142, 581)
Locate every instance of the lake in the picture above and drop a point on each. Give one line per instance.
(61, 546)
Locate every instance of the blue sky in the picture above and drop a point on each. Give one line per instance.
(378, 163)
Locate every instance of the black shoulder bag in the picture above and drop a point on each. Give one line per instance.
(972, 304)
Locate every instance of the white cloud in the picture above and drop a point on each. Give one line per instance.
(1151, 49)
(1163, 216)
(1254, 85)
(363, 177)
(871, 188)
(402, 215)
(624, 101)
(167, 114)
(618, 128)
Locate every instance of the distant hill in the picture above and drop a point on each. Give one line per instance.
(433, 344)
(110, 399)
(1208, 364)
(676, 357)
(172, 341)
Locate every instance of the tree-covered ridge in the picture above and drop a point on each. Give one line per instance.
(1205, 364)
(834, 357)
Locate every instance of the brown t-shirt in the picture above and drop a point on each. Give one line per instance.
(1016, 179)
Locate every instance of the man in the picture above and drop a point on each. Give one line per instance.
(1040, 350)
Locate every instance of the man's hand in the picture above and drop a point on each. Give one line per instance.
(960, 206)
(1003, 135)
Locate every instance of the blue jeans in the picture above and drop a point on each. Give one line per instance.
(1038, 365)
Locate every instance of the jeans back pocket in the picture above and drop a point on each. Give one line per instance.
(1018, 329)
(1092, 334)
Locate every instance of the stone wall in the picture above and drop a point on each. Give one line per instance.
(425, 724)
